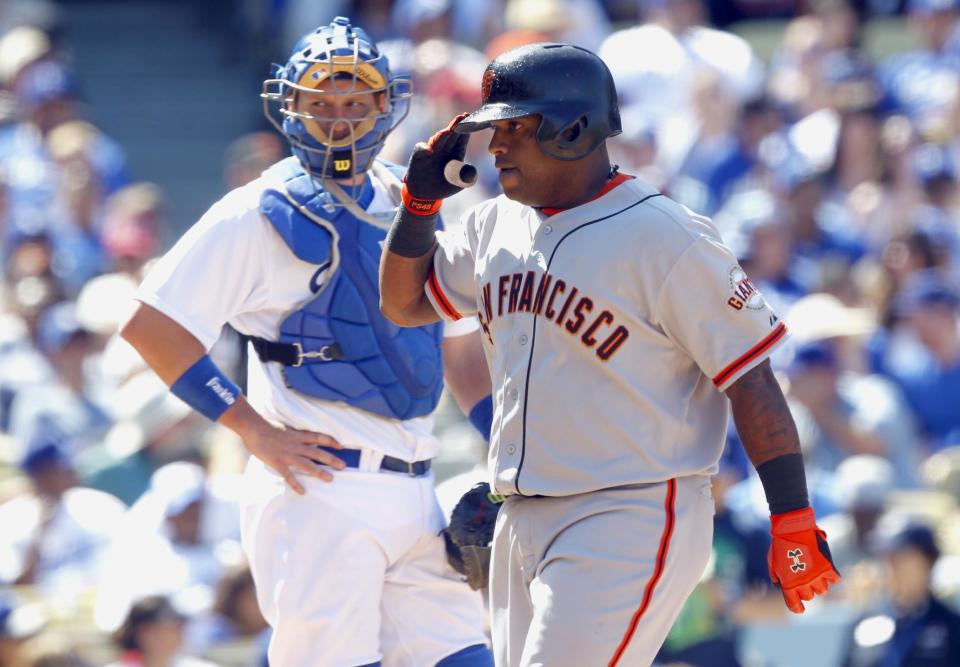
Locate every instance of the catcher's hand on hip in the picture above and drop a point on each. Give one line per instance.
(290, 450)
(799, 559)
(436, 169)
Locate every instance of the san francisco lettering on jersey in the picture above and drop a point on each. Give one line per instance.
(556, 301)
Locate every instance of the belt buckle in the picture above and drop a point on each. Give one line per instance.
(410, 469)
(323, 354)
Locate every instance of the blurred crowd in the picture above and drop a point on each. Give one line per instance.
(833, 175)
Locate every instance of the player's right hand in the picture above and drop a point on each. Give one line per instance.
(436, 169)
(799, 559)
(289, 450)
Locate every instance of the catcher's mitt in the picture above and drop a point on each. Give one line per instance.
(470, 533)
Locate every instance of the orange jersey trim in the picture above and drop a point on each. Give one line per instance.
(751, 354)
(434, 286)
(662, 551)
(608, 186)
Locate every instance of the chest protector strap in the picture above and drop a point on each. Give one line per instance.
(336, 346)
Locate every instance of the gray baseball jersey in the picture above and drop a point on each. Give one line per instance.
(611, 331)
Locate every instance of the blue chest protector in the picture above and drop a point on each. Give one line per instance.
(388, 370)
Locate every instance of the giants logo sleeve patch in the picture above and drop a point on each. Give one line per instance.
(743, 294)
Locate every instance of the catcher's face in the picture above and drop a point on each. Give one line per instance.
(339, 111)
(527, 174)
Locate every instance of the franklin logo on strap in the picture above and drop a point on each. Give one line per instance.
(225, 394)
(797, 565)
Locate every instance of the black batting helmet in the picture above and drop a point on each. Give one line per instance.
(570, 87)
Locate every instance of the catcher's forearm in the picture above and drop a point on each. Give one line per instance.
(770, 438)
(167, 347)
(181, 361)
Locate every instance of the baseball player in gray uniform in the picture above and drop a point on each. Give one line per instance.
(616, 327)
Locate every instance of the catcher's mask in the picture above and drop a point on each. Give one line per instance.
(336, 100)
(569, 87)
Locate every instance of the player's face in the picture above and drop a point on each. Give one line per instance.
(527, 174)
(337, 108)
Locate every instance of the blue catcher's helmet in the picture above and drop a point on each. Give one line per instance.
(336, 62)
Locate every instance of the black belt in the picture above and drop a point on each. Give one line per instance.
(292, 354)
(351, 457)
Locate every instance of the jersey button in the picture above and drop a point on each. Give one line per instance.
(511, 449)
(523, 339)
(514, 394)
(547, 229)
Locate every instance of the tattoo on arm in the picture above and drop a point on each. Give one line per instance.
(762, 417)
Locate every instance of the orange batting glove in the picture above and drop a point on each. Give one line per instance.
(799, 560)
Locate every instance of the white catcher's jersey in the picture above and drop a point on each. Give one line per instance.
(611, 331)
(232, 266)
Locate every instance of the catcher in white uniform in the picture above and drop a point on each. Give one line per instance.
(351, 572)
(616, 327)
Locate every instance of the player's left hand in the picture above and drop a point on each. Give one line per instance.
(470, 533)
(436, 169)
(799, 559)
